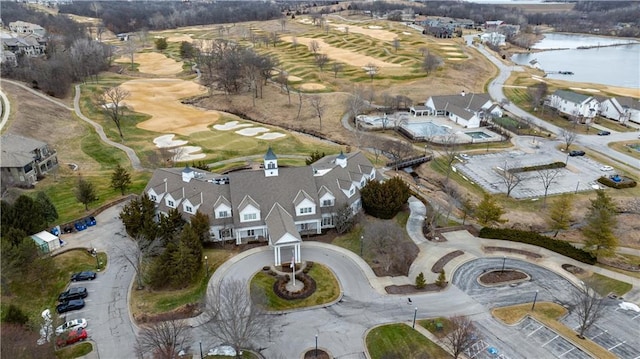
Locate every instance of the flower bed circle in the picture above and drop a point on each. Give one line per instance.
(280, 287)
(500, 277)
(311, 354)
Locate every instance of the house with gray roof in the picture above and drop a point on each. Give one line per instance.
(581, 107)
(621, 109)
(275, 204)
(25, 160)
(466, 110)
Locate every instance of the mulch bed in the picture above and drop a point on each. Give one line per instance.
(512, 250)
(573, 269)
(409, 289)
(497, 277)
(190, 310)
(439, 265)
(311, 354)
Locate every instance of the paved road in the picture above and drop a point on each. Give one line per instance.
(593, 142)
(5, 106)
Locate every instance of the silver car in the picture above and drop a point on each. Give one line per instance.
(70, 325)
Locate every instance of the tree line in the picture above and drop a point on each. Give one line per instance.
(124, 16)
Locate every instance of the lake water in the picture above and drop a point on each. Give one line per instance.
(614, 65)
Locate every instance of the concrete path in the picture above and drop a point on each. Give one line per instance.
(5, 107)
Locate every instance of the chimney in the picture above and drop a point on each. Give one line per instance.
(462, 93)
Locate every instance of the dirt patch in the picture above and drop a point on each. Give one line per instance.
(180, 38)
(502, 277)
(312, 87)
(410, 289)
(439, 265)
(343, 55)
(160, 98)
(186, 311)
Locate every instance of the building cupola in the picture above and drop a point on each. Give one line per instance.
(341, 160)
(270, 164)
(187, 174)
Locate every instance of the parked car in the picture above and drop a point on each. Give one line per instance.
(604, 133)
(465, 156)
(86, 275)
(72, 337)
(606, 168)
(74, 304)
(576, 153)
(80, 226)
(90, 221)
(71, 325)
(67, 229)
(73, 293)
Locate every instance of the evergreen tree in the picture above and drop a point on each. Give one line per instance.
(489, 212)
(315, 155)
(162, 269)
(161, 43)
(442, 280)
(420, 281)
(85, 193)
(200, 224)
(171, 224)
(384, 200)
(120, 179)
(601, 221)
(138, 217)
(47, 208)
(13, 314)
(560, 214)
(187, 259)
(24, 214)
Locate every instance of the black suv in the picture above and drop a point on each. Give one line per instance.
(70, 305)
(604, 133)
(576, 153)
(83, 276)
(73, 293)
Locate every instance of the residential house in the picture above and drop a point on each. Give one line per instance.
(466, 110)
(24, 28)
(581, 107)
(24, 160)
(621, 109)
(274, 204)
(493, 38)
(493, 24)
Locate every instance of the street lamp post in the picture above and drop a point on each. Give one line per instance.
(415, 313)
(361, 244)
(534, 300)
(316, 353)
(206, 264)
(201, 356)
(504, 258)
(577, 185)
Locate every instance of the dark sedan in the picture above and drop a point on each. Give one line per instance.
(70, 305)
(576, 153)
(73, 293)
(604, 133)
(87, 275)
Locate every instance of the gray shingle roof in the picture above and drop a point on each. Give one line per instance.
(270, 155)
(471, 101)
(16, 150)
(280, 224)
(628, 102)
(571, 96)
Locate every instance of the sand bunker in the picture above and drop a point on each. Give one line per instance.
(347, 56)
(454, 53)
(252, 131)
(406, 33)
(180, 38)
(187, 153)
(292, 78)
(583, 89)
(270, 136)
(160, 98)
(455, 58)
(167, 141)
(312, 87)
(155, 64)
(231, 125)
(448, 48)
(373, 31)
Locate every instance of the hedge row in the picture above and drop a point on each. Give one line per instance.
(548, 166)
(625, 183)
(562, 247)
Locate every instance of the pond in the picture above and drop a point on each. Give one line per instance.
(612, 65)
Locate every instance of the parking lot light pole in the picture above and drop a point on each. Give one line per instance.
(504, 258)
(534, 300)
(415, 313)
(361, 244)
(206, 265)
(316, 353)
(201, 356)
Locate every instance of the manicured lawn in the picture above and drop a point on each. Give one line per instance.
(327, 289)
(74, 351)
(350, 240)
(432, 326)
(401, 341)
(548, 313)
(146, 302)
(625, 147)
(605, 285)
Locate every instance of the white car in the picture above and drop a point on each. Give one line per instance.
(606, 168)
(72, 324)
(465, 156)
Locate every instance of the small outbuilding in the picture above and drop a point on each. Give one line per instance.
(46, 241)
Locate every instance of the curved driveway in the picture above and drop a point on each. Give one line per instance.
(596, 143)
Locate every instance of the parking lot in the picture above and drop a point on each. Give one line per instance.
(580, 173)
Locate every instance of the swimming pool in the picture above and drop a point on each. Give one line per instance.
(477, 134)
(426, 129)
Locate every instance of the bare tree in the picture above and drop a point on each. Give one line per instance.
(371, 69)
(131, 47)
(510, 177)
(346, 30)
(283, 23)
(164, 339)
(318, 106)
(321, 61)
(450, 153)
(283, 79)
(356, 103)
(112, 105)
(568, 137)
(314, 46)
(294, 42)
(336, 67)
(547, 177)
(399, 150)
(299, 105)
(233, 316)
(537, 92)
(95, 7)
(461, 337)
(430, 62)
(384, 243)
(274, 38)
(343, 219)
(396, 44)
(588, 306)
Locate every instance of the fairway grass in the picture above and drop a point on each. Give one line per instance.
(401, 341)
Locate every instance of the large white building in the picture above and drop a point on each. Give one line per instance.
(275, 204)
(581, 107)
(466, 110)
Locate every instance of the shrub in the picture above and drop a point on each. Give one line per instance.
(548, 166)
(442, 280)
(13, 314)
(420, 281)
(558, 246)
(625, 183)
